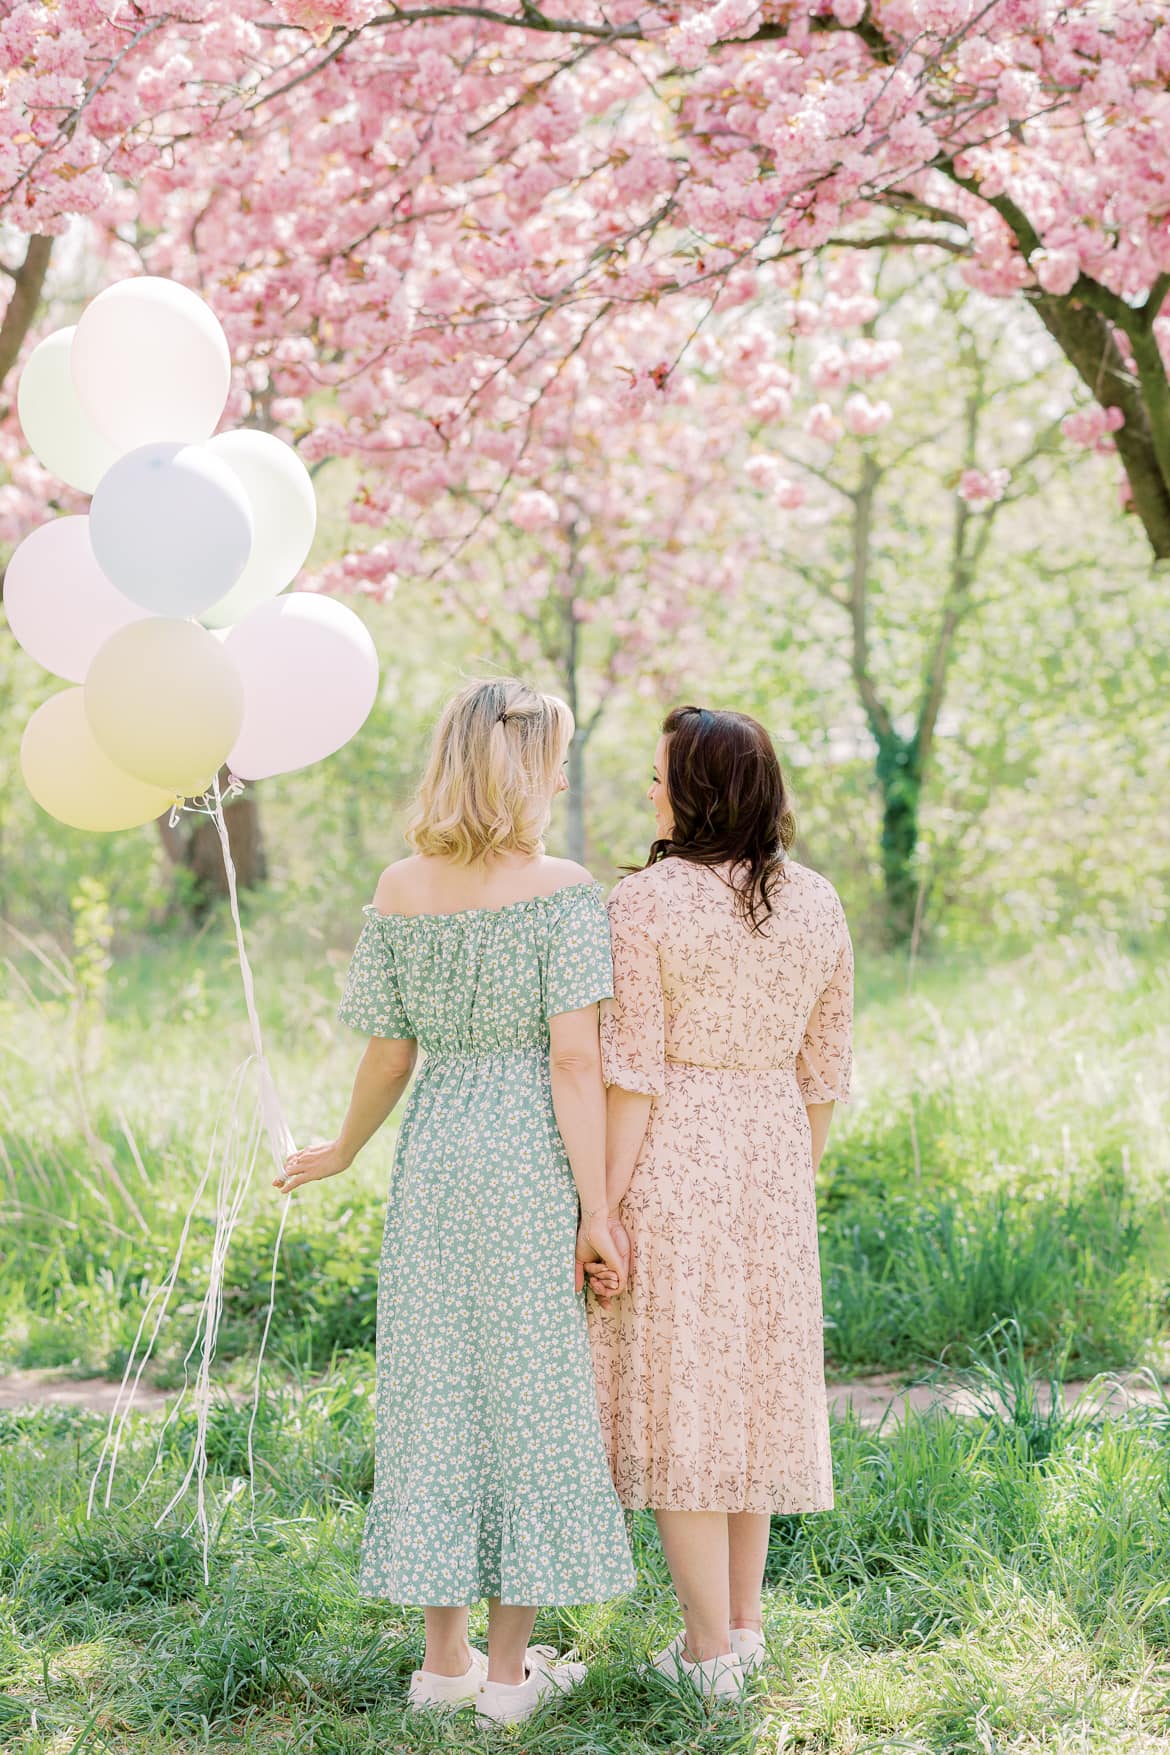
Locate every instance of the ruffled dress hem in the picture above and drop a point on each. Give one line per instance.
(521, 1550)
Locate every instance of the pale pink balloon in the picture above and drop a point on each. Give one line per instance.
(60, 605)
(310, 674)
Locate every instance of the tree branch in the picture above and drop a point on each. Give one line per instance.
(820, 581)
(884, 239)
(531, 19)
(1155, 299)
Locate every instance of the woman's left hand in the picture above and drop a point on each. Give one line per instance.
(314, 1164)
(603, 1252)
(603, 1282)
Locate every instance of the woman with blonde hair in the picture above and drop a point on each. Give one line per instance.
(490, 1471)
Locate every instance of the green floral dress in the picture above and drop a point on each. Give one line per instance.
(490, 1473)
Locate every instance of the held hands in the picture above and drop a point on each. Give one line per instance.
(314, 1164)
(603, 1252)
(603, 1244)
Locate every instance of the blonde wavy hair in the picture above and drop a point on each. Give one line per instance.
(489, 780)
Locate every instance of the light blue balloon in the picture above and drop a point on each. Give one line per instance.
(171, 528)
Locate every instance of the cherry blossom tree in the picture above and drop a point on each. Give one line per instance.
(606, 578)
(410, 216)
(901, 503)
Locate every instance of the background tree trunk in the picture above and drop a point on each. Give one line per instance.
(576, 798)
(572, 634)
(193, 848)
(27, 285)
(899, 777)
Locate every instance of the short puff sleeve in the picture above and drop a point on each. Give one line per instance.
(633, 1025)
(825, 1063)
(371, 1000)
(578, 968)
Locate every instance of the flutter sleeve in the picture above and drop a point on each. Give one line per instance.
(824, 1065)
(371, 1000)
(633, 1023)
(578, 967)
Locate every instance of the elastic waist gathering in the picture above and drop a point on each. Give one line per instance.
(464, 1056)
(447, 1056)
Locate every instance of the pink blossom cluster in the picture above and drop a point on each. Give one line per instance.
(770, 475)
(1092, 425)
(445, 248)
(980, 487)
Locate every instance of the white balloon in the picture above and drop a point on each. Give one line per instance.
(284, 518)
(60, 605)
(151, 363)
(310, 674)
(171, 527)
(59, 431)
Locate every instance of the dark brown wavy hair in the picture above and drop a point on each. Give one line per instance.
(729, 803)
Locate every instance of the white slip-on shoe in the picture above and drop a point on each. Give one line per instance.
(505, 1703)
(567, 1671)
(749, 1648)
(428, 1691)
(721, 1677)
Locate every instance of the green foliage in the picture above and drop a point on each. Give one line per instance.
(1054, 733)
(993, 1197)
(974, 1180)
(92, 934)
(910, 1281)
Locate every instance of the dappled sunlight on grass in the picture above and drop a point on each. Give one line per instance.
(973, 1589)
(997, 1584)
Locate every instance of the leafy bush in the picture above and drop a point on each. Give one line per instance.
(909, 1280)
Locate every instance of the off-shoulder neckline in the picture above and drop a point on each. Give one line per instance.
(373, 913)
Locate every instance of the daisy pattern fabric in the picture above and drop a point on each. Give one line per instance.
(490, 1474)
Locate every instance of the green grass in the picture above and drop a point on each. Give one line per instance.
(1003, 1159)
(996, 1583)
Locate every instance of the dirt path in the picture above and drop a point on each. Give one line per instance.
(22, 1389)
(874, 1399)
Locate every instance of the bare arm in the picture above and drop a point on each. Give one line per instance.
(626, 1113)
(383, 1074)
(579, 1101)
(819, 1117)
(579, 1105)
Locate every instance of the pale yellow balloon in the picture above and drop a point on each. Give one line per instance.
(165, 702)
(72, 779)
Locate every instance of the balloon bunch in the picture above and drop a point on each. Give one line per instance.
(162, 603)
(162, 607)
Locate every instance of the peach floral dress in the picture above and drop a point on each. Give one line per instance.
(710, 1366)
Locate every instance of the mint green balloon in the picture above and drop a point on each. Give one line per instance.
(59, 432)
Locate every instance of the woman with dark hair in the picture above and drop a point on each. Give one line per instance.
(724, 1048)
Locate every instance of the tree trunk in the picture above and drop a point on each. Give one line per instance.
(27, 285)
(1085, 338)
(576, 799)
(193, 848)
(572, 634)
(899, 781)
